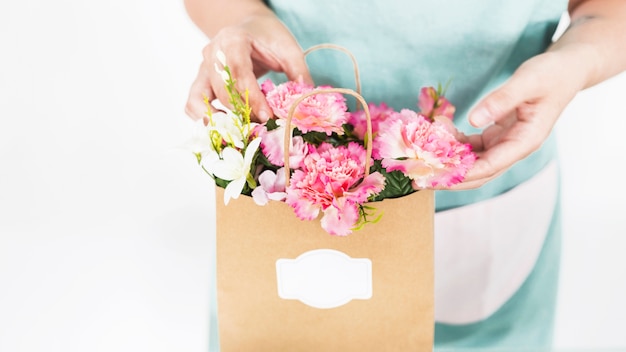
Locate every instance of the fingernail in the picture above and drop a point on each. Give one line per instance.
(481, 118)
(264, 115)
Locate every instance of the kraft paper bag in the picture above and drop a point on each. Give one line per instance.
(287, 285)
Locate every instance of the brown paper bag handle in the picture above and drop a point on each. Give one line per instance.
(355, 64)
(368, 134)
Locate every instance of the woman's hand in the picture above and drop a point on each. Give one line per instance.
(520, 114)
(518, 117)
(256, 45)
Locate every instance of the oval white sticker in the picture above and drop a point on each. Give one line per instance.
(324, 278)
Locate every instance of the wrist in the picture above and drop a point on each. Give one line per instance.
(583, 62)
(212, 16)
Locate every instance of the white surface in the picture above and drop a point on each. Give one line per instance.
(104, 230)
(324, 278)
(592, 303)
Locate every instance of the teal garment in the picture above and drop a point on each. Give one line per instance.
(526, 320)
(474, 47)
(402, 46)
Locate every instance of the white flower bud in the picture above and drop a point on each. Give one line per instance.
(221, 57)
(222, 73)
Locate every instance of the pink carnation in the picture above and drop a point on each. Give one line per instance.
(432, 104)
(273, 146)
(425, 152)
(271, 187)
(325, 112)
(281, 97)
(378, 114)
(327, 182)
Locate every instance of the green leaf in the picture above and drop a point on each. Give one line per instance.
(221, 183)
(365, 212)
(396, 183)
(271, 124)
(315, 138)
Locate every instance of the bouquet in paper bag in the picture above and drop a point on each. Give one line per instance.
(320, 158)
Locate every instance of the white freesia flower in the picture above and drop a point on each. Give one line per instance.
(229, 125)
(216, 103)
(234, 167)
(200, 143)
(222, 73)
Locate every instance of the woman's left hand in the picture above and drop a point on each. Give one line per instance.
(519, 116)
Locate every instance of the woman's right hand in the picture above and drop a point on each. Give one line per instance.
(258, 44)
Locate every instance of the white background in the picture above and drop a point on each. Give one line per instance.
(105, 226)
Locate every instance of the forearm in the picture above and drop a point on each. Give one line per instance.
(596, 39)
(212, 15)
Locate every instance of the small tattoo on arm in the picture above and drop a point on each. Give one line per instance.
(580, 21)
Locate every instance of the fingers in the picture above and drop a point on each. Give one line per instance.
(520, 88)
(210, 84)
(511, 118)
(518, 116)
(507, 141)
(247, 58)
(491, 164)
(295, 66)
(261, 111)
(291, 60)
(200, 88)
(244, 71)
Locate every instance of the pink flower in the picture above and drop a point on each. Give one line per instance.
(425, 152)
(433, 104)
(325, 112)
(271, 187)
(273, 146)
(378, 114)
(327, 182)
(340, 218)
(281, 97)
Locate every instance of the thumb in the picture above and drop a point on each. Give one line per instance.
(501, 102)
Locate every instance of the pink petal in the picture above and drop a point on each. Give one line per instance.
(340, 222)
(259, 196)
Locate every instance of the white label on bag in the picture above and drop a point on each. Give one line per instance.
(324, 278)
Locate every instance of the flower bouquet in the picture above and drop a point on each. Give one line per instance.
(284, 283)
(318, 157)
